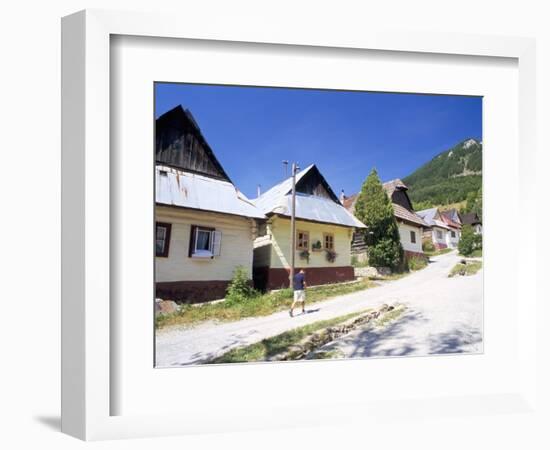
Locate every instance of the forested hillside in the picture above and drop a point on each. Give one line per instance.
(450, 177)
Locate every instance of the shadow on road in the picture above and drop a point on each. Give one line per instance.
(370, 342)
(455, 341)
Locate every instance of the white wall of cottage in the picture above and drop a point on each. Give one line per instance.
(236, 246)
(405, 235)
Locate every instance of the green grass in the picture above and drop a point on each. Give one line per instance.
(477, 253)
(260, 305)
(469, 268)
(439, 252)
(390, 316)
(267, 348)
(417, 263)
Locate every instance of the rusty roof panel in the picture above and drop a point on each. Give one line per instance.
(175, 187)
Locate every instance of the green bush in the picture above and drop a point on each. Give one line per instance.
(386, 253)
(240, 288)
(428, 246)
(478, 241)
(468, 241)
(417, 262)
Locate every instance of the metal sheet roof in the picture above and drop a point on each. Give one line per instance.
(176, 187)
(428, 215)
(277, 200)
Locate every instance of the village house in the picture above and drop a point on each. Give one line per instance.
(411, 225)
(451, 218)
(438, 231)
(324, 230)
(473, 220)
(205, 227)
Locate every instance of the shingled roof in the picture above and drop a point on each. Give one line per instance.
(399, 211)
(470, 219)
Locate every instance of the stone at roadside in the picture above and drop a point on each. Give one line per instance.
(165, 306)
(372, 272)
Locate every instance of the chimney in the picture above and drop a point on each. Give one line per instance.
(259, 191)
(342, 197)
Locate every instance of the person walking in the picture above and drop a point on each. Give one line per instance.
(299, 285)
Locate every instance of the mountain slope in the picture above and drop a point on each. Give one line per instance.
(449, 177)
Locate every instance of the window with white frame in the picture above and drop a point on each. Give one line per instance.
(413, 237)
(439, 234)
(204, 242)
(453, 234)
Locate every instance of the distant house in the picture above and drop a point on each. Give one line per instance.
(205, 227)
(438, 230)
(473, 220)
(451, 218)
(324, 230)
(411, 225)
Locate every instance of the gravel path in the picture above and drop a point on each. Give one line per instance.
(441, 319)
(444, 314)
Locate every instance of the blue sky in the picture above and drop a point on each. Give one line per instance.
(346, 134)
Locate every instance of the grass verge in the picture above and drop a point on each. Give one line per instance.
(267, 348)
(261, 305)
(470, 268)
(442, 251)
(478, 253)
(417, 263)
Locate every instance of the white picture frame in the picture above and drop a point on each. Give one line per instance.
(87, 316)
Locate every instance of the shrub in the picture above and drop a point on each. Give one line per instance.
(468, 241)
(417, 262)
(428, 246)
(240, 288)
(478, 241)
(386, 253)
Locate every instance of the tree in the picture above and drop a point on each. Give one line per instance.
(474, 203)
(375, 210)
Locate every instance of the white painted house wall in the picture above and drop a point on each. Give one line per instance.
(439, 240)
(453, 241)
(405, 235)
(236, 246)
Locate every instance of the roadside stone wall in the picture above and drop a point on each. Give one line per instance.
(326, 335)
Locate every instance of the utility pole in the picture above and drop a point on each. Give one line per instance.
(293, 224)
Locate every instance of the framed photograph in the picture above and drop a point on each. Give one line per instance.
(257, 224)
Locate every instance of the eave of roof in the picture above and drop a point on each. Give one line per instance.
(404, 214)
(308, 207)
(176, 187)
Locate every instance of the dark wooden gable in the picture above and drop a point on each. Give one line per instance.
(401, 197)
(313, 183)
(180, 143)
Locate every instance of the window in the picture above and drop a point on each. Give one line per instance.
(453, 234)
(413, 237)
(328, 239)
(302, 240)
(162, 238)
(439, 234)
(204, 242)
